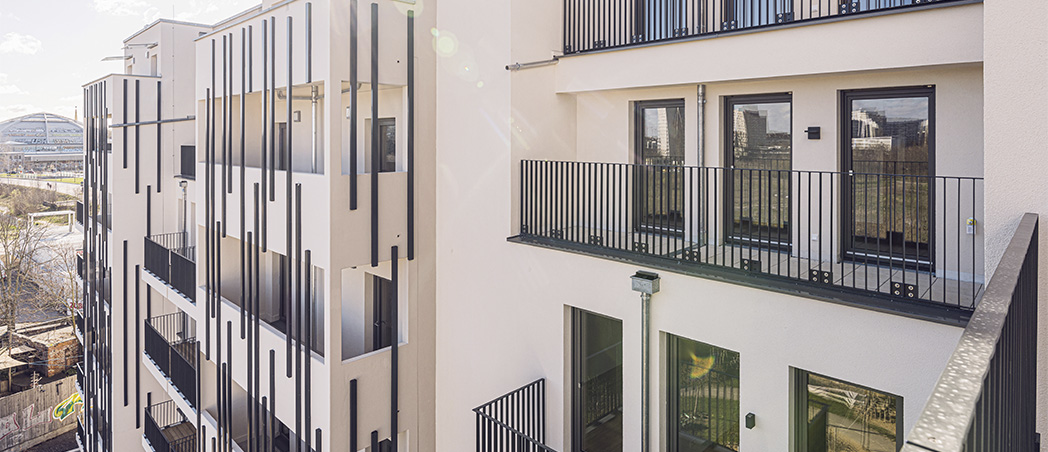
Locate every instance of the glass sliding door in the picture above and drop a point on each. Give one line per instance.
(888, 152)
(597, 383)
(759, 159)
(659, 177)
(835, 416)
(703, 399)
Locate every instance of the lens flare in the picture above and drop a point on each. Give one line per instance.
(701, 365)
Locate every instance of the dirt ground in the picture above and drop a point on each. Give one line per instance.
(63, 443)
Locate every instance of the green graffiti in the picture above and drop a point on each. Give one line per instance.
(67, 407)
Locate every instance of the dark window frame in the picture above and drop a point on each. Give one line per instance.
(799, 413)
(845, 165)
(673, 389)
(637, 158)
(384, 122)
(576, 419)
(728, 163)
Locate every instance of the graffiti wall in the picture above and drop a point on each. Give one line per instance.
(39, 414)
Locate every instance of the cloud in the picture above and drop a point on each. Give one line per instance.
(11, 111)
(121, 7)
(7, 88)
(19, 43)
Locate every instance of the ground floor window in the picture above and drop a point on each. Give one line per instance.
(836, 416)
(596, 382)
(703, 399)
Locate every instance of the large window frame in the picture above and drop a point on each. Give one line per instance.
(799, 404)
(657, 180)
(673, 411)
(847, 164)
(578, 401)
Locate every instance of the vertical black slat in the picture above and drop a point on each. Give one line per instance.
(250, 58)
(309, 48)
(207, 223)
(273, 111)
(149, 211)
(298, 321)
(266, 93)
(257, 350)
(288, 171)
(243, 195)
(123, 118)
(225, 130)
(374, 135)
(272, 397)
(138, 349)
(137, 133)
(228, 158)
(229, 386)
(395, 352)
(125, 330)
(159, 129)
(353, 415)
(411, 135)
(374, 440)
(309, 347)
(251, 437)
(353, 60)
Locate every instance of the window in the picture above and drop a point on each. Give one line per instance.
(383, 297)
(387, 131)
(836, 416)
(597, 383)
(703, 399)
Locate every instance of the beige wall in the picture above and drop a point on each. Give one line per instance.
(1016, 97)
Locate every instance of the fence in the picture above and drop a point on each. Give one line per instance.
(985, 399)
(163, 416)
(514, 422)
(172, 259)
(170, 341)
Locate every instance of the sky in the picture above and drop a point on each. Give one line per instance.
(50, 48)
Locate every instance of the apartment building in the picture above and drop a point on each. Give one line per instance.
(713, 225)
(671, 225)
(257, 237)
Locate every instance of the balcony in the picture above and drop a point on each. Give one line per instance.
(78, 320)
(515, 421)
(986, 397)
(172, 259)
(591, 25)
(894, 242)
(167, 429)
(80, 213)
(171, 343)
(80, 378)
(81, 435)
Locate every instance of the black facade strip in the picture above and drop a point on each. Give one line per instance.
(265, 126)
(256, 350)
(411, 135)
(137, 134)
(395, 351)
(123, 265)
(309, 65)
(272, 398)
(229, 386)
(273, 112)
(309, 343)
(353, 88)
(250, 59)
(138, 349)
(353, 414)
(159, 129)
(298, 321)
(374, 135)
(225, 132)
(229, 119)
(243, 175)
(123, 117)
(149, 211)
(290, 250)
(207, 224)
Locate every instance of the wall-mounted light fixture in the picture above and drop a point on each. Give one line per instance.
(297, 116)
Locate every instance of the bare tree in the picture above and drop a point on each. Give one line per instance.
(20, 244)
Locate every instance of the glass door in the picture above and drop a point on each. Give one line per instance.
(597, 382)
(659, 175)
(758, 174)
(888, 150)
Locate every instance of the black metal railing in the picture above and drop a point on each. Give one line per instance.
(985, 399)
(514, 422)
(187, 162)
(78, 320)
(80, 376)
(172, 258)
(80, 266)
(602, 24)
(165, 417)
(899, 236)
(170, 341)
(80, 213)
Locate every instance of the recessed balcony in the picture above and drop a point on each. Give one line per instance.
(172, 259)
(901, 242)
(170, 341)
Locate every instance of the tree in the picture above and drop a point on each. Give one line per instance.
(20, 246)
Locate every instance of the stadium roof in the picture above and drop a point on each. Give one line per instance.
(42, 132)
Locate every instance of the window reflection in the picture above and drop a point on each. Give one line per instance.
(598, 382)
(760, 160)
(843, 417)
(704, 397)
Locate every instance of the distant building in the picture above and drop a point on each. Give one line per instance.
(41, 142)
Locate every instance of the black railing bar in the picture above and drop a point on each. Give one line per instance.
(765, 170)
(509, 394)
(515, 432)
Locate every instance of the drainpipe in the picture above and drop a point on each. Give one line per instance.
(647, 284)
(313, 98)
(701, 116)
